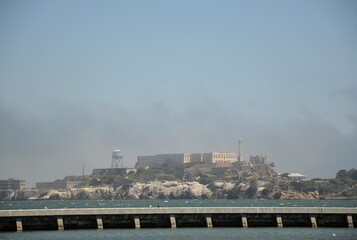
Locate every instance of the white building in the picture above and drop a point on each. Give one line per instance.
(297, 177)
(182, 158)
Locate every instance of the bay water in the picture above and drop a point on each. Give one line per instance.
(190, 234)
(59, 204)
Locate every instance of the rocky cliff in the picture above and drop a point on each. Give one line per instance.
(137, 190)
(160, 190)
(236, 182)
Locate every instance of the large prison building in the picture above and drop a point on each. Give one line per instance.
(182, 158)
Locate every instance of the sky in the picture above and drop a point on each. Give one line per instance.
(81, 78)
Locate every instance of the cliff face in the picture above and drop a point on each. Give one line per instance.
(163, 190)
(160, 190)
(137, 190)
(242, 182)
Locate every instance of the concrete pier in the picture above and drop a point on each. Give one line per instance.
(176, 217)
(19, 225)
(209, 222)
(279, 221)
(173, 221)
(349, 221)
(244, 221)
(137, 222)
(60, 223)
(100, 222)
(313, 222)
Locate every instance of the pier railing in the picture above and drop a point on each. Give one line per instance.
(173, 217)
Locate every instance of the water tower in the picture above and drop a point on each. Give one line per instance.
(117, 159)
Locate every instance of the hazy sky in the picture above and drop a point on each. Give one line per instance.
(79, 79)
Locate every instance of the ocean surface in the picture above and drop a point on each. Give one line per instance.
(190, 234)
(52, 204)
(182, 233)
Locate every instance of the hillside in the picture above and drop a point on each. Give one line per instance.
(173, 181)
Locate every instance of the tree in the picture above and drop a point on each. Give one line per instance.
(95, 182)
(341, 174)
(353, 174)
(251, 192)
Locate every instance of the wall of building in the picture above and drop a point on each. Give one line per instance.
(106, 171)
(159, 159)
(258, 159)
(218, 157)
(181, 158)
(12, 184)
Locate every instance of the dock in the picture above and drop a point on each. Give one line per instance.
(176, 217)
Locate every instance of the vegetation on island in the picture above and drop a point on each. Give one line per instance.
(236, 181)
(179, 181)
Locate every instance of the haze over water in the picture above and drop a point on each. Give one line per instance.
(79, 79)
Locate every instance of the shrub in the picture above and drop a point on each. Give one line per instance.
(206, 181)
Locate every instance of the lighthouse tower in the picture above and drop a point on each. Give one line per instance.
(240, 150)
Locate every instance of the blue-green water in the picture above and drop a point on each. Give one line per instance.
(4, 205)
(190, 234)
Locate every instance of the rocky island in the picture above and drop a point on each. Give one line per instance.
(195, 181)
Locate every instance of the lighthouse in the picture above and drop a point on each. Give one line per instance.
(240, 150)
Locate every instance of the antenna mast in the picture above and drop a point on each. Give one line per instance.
(240, 152)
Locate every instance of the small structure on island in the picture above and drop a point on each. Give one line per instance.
(117, 159)
(12, 184)
(240, 158)
(258, 159)
(158, 160)
(117, 166)
(297, 177)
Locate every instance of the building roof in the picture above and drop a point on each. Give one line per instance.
(296, 175)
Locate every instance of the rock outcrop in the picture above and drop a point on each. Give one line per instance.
(160, 190)
(250, 181)
(137, 190)
(164, 190)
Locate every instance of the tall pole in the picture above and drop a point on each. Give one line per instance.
(240, 154)
(83, 169)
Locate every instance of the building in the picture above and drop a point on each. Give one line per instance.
(182, 158)
(59, 184)
(258, 159)
(12, 184)
(218, 157)
(116, 171)
(297, 177)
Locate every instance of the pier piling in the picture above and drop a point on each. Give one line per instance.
(173, 221)
(137, 222)
(313, 222)
(19, 225)
(244, 221)
(100, 222)
(279, 221)
(60, 223)
(209, 222)
(349, 221)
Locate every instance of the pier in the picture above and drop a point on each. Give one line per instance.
(176, 217)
